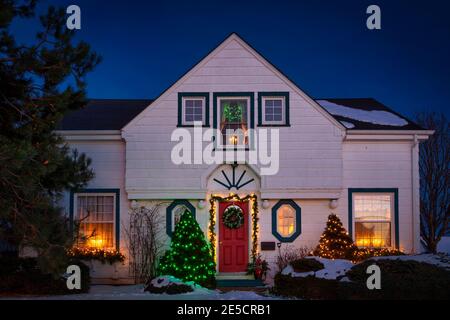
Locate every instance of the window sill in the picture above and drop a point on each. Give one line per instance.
(274, 125)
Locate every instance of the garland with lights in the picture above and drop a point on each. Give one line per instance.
(189, 257)
(254, 214)
(102, 255)
(233, 217)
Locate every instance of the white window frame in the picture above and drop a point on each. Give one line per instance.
(100, 194)
(219, 139)
(283, 110)
(183, 110)
(392, 217)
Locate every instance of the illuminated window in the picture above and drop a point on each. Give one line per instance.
(234, 121)
(286, 220)
(373, 219)
(177, 212)
(95, 214)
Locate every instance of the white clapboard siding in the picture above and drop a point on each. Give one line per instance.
(381, 165)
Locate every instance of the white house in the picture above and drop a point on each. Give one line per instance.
(353, 157)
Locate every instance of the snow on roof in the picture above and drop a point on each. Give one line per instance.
(378, 117)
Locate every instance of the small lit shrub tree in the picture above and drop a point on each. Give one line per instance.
(189, 257)
(335, 242)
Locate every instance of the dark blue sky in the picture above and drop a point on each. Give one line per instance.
(324, 46)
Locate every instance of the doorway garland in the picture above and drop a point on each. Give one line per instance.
(254, 214)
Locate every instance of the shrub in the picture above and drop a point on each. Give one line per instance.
(306, 287)
(289, 254)
(362, 254)
(23, 276)
(170, 288)
(402, 279)
(306, 265)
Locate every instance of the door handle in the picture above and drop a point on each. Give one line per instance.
(220, 242)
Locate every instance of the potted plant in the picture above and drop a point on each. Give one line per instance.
(258, 267)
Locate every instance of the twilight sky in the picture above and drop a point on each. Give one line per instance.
(324, 46)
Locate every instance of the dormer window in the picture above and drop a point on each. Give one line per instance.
(193, 108)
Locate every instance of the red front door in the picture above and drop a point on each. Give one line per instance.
(233, 243)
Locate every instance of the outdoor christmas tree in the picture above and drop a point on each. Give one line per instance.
(189, 257)
(335, 242)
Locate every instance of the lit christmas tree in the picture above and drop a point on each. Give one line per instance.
(189, 257)
(335, 242)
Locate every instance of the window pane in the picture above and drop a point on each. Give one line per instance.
(96, 216)
(234, 121)
(273, 110)
(372, 207)
(373, 234)
(193, 110)
(177, 212)
(372, 219)
(286, 220)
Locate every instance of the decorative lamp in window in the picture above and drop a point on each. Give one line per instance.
(373, 214)
(95, 214)
(174, 212)
(193, 108)
(286, 220)
(273, 108)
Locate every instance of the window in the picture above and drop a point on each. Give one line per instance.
(95, 214)
(286, 220)
(193, 108)
(373, 219)
(233, 118)
(234, 121)
(174, 212)
(273, 108)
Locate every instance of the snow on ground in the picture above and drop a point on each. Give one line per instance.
(136, 292)
(440, 260)
(380, 117)
(332, 269)
(444, 245)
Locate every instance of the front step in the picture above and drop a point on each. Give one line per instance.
(234, 276)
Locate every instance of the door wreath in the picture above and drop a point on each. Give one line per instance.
(233, 217)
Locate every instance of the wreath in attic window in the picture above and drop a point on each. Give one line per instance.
(233, 217)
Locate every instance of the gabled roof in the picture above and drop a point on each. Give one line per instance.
(353, 113)
(103, 114)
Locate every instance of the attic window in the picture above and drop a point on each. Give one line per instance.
(193, 108)
(273, 108)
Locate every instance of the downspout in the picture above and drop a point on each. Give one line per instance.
(415, 196)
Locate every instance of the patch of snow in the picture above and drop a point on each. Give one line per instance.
(444, 245)
(163, 281)
(348, 125)
(440, 260)
(380, 117)
(136, 292)
(332, 269)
